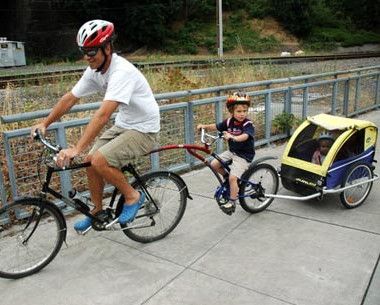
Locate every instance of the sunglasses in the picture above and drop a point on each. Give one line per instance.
(91, 52)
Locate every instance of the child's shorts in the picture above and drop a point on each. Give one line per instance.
(239, 165)
(119, 145)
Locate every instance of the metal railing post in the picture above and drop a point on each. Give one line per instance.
(268, 116)
(219, 105)
(346, 97)
(189, 130)
(155, 160)
(11, 169)
(65, 176)
(285, 101)
(377, 93)
(305, 102)
(3, 197)
(288, 101)
(357, 93)
(333, 97)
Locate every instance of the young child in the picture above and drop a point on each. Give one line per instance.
(325, 142)
(239, 132)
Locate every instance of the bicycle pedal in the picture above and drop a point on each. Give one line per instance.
(228, 211)
(111, 226)
(83, 232)
(138, 226)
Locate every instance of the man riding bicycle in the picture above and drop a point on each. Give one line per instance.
(136, 125)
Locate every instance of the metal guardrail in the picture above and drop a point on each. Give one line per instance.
(218, 90)
(338, 95)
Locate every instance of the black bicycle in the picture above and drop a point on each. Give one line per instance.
(33, 229)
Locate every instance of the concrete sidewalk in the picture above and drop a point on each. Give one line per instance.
(314, 252)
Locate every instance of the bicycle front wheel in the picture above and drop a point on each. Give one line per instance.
(31, 234)
(255, 183)
(163, 209)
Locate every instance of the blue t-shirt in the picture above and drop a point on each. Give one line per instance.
(245, 149)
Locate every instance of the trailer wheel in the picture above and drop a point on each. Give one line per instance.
(355, 196)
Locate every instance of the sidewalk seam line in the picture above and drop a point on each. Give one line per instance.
(303, 217)
(241, 286)
(145, 252)
(163, 286)
(370, 281)
(324, 222)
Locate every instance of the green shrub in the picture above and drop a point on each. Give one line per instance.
(284, 122)
(238, 33)
(360, 38)
(325, 36)
(259, 8)
(324, 16)
(319, 46)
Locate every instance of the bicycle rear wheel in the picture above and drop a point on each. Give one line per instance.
(158, 217)
(31, 234)
(255, 182)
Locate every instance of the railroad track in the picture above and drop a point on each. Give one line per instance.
(39, 78)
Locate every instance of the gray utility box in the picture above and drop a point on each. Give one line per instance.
(12, 53)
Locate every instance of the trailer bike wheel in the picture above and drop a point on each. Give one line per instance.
(31, 235)
(162, 210)
(255, 183)
(357, 174)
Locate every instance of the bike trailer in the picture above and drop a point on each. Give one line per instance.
(353, 144)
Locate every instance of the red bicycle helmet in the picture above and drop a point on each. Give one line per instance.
(95, 33)
(238, 98)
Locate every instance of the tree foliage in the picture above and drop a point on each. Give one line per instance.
(294, 14)
(158, 24)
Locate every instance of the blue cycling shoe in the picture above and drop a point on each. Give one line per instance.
(129, 211)
(83, 224)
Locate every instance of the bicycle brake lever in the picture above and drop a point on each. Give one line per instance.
(55, 158)
(36, 134)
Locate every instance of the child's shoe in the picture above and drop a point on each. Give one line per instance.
(228, 207)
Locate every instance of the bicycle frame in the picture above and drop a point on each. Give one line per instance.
(76, 203)
(79, 205)
(192, 150)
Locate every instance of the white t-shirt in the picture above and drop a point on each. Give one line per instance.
(125, 84)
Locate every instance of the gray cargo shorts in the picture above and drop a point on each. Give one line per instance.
(119, 145)
(239, 164)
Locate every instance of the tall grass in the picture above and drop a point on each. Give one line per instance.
(30, 97)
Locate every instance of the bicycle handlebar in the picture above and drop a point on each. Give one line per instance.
(205, 135)
(39, 136)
